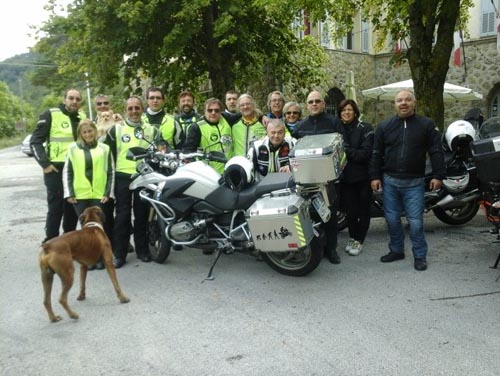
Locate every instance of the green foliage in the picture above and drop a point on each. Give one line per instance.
(178, 45)
(12, 111)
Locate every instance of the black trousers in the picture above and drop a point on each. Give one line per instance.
(356, 199)
(58, 208)
(126, 202)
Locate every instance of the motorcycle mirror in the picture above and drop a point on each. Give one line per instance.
(217, 156)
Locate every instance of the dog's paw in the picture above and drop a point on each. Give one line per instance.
(74, 315)
(81, 297)
(56, 319)
(124, 299)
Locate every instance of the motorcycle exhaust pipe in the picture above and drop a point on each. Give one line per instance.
(453, 200)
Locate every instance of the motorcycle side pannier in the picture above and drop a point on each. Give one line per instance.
(280, 222)
(486, 155)
(317, 158)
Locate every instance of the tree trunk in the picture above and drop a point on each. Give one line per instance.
(431, 36)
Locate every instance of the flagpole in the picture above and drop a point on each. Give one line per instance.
(89, 101)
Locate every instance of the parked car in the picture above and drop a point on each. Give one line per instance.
(25, 146)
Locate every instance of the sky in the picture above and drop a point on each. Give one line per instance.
(14, 25)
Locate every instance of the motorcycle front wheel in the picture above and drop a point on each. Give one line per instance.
(295, 263)
(159, 245)
(457, 216)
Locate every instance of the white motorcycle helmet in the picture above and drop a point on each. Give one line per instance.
(238, 172)
(454, 184)
(457, 178)
(460, 133)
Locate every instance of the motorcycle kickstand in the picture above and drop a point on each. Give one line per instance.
(210, 276)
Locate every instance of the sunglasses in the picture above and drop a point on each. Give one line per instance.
(152, 98)
(133, 108)
(105, 103)
(315, 101)
(293, 113)
(213, 110)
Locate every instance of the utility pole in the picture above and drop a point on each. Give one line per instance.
(89, 100)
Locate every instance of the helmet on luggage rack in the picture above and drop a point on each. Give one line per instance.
(238, 172)
(457, 177)
(460, 133)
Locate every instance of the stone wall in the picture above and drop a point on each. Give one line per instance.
(483, 75)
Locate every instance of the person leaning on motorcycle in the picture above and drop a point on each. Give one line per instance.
(319, 122)
(401, 144)
(132, 132)
(57, 127)
(271, 153)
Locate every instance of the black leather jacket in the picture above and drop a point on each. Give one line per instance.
(400, 147)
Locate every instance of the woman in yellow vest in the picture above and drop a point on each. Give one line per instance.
(88, 175)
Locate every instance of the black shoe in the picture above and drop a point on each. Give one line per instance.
(177, 247)
(333, 256)
(119, 262)
(420, 264)
(392, 256)
(144, 258)
(99, 265)
(91, 267)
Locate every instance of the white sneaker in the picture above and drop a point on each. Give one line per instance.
(348, 247)
(356, 248)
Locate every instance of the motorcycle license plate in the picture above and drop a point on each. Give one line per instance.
(321, 208)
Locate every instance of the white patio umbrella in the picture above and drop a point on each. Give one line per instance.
(451, 93)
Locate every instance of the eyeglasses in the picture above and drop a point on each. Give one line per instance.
(105, 103)
(152, 98)
(213, 110)
(293, 113)
(279, 100)
(77, 99)
(315, 101)
(133, 108)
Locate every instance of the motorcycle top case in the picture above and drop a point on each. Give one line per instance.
(486, 155)
(317, 158)
(280, 222)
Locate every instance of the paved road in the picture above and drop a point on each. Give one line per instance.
(358, 318)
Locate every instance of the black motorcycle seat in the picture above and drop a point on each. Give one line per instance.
(227, 199)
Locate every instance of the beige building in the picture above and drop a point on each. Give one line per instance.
(478, 66)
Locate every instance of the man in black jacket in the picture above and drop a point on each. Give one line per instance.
(319, 122)
(57, 128)
(400, 147)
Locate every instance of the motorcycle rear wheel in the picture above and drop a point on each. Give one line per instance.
(159, 245)
(295, 263)
(457, 216)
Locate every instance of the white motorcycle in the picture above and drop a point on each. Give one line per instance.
(277, 217)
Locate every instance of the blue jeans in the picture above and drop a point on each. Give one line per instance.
(405, 196)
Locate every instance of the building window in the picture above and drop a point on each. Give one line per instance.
(364, 36)
(487, 17)
(325, 34)
(348, 41)
(298, 25)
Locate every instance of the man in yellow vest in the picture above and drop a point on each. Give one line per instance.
(120, 138)
(57, 128)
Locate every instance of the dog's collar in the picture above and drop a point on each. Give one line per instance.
(93, 224)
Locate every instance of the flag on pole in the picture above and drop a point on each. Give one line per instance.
(457, 52)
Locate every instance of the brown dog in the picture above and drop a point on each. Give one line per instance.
(105, 120)
(87, 246)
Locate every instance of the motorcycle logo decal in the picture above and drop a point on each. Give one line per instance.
(214, 137)
(126, 138)
(64, 124)
(274, 235)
